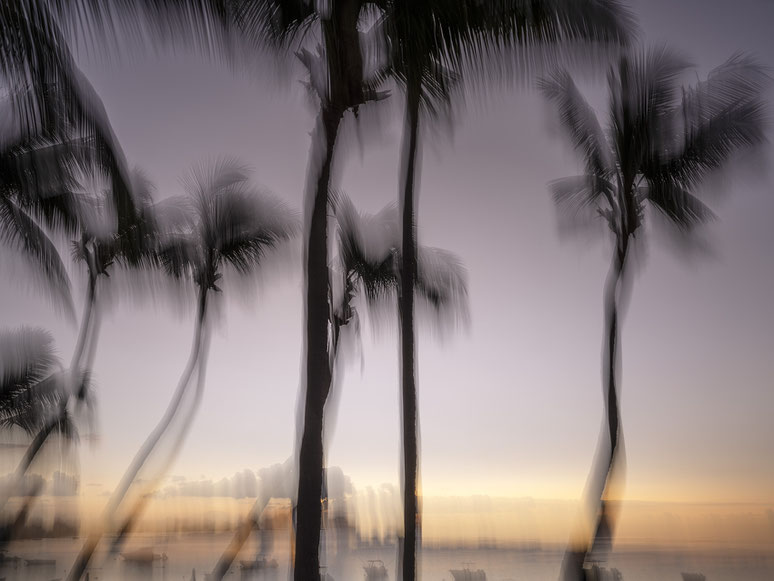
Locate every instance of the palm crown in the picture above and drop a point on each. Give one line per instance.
(31, 380)
(369, 252)
(661, 141)
(222, 222)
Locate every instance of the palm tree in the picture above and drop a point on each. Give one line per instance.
(431, 42)
(54, 169)
(371, 246)
(31, 379)
(222, 223)
(54, 111)
(660, 144)
(31, 389)
(88, 215)
(338, 77)
(360, 265)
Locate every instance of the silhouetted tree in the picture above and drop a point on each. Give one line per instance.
(222, 222)
(54, 112)
(31, 389)
(338, 77)
(91, 216)
(30, 380)
(661, 142)
(431, 43)
(371, 250)
(366, 247)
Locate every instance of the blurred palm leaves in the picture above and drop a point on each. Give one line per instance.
(31, 382)
(53, 122)
(661, 140)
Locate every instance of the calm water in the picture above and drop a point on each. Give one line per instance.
(200, 552)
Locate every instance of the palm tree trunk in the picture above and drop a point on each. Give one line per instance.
(318, 374)
(408, 272)
(604, 529)
(604, 472)
(134, 513)
(83, 558)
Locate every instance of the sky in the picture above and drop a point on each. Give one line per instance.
(510, 407)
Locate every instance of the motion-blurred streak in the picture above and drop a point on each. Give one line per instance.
(243, 531)
(371, 256)
(178, 430)
(663, 140)
(223, 221)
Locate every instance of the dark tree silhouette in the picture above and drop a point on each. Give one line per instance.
(223, 222)
(371, 247)
(55, 111)
(88, 215)
(431, 43)
(365, 261)
(661, 142)
(338, 78)
(30, 379)
(31, 390)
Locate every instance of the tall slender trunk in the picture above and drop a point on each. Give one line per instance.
(605, 520)
(604, 472)
(408, 273)
(84, 556)
(318, 373)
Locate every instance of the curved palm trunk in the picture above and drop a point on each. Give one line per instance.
(576, 562)
(318, 374)
(84, 556)
(251, 521)
(136, 510)
(408, 272)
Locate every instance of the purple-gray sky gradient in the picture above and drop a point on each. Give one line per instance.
(512, 407)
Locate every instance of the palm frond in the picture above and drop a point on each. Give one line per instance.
(523, 39)
(367, 247)
(19, 231)
(580, 122)
(643, 89)
(277, 22)
(577, 193)
(52, 98)
(30, 385)
(442, 281)
(716, 118)
(683, 209)
(249, 224)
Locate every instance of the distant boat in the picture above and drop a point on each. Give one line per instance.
(375, 571)
(5, 559)
(468, 575)
(259, 564)
(40, 562)
(143, 556)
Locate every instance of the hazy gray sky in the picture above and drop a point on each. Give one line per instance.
(512, 407)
